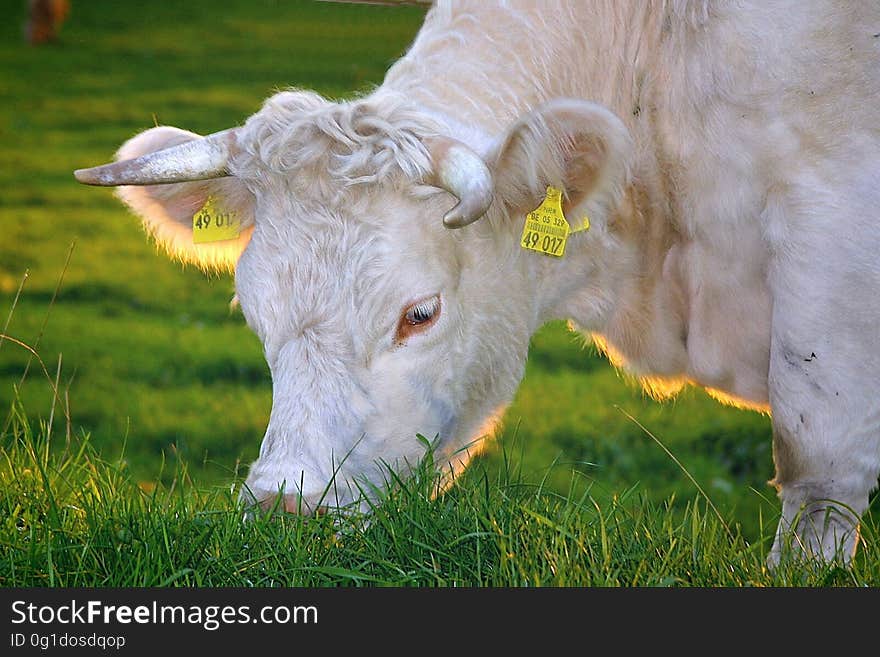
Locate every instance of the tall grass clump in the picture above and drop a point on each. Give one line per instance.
(72, 519)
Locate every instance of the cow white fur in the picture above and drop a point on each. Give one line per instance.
(728, 156)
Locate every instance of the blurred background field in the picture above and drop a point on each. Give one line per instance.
(155, 365)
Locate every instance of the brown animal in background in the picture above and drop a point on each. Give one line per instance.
(45, 18)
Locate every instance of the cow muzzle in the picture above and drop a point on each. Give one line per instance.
(276, 501)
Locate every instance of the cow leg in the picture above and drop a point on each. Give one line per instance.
(824, 378)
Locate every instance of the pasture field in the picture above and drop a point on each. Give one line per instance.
(132, 398)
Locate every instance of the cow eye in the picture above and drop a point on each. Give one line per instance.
(418, 317)
(423, 311)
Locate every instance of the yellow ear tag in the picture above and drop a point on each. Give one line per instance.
(213, 224)
(546, 229)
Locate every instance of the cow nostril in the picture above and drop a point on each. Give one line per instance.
(270, 503)
(295, 504)
(288, 503)
(285, 503)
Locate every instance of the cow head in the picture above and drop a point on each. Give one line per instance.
(379, 262)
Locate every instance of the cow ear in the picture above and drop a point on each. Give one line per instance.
(575, 145)
(167, 210)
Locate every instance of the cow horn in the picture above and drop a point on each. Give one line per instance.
(199, 159)
(464, 174)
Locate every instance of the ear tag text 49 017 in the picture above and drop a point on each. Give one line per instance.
(212, 223)
(546, 229)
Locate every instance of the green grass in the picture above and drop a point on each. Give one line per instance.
(72, 519)
(154, 370)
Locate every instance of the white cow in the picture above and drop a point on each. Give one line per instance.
(727, 156)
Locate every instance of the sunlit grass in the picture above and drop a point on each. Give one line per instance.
(70, 518)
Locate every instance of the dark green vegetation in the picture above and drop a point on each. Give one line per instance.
(163, 379)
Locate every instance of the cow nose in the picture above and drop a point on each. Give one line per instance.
(289, 503)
